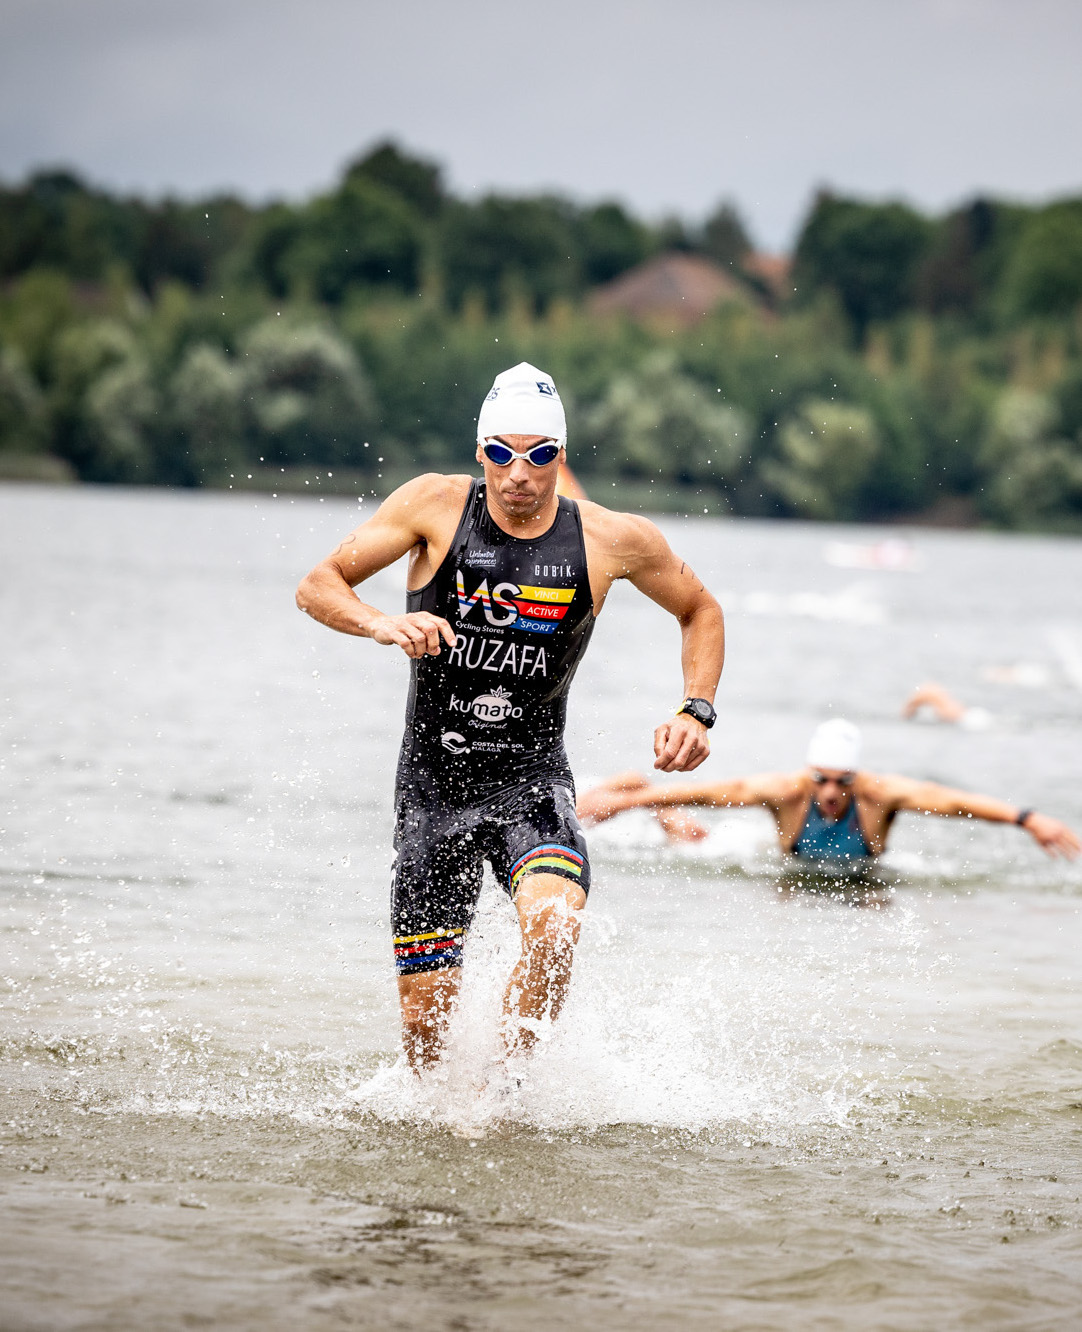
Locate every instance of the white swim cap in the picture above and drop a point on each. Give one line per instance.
(835, 744)
(522, 401)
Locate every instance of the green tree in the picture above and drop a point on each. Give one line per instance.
(360, 236)
(867, 254)
(1068, 399)
(826, 451)
(417, 182)
(83, 354)
(609, 242)
(724, 237)
(37, 308)
(307, 396)
(503, 247)
(23, 423)
(206, 400)
(1033, 476)
(660, 423)
(949, 277)
(121, 414)
(1044, 274)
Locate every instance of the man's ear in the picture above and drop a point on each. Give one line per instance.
(479, 455)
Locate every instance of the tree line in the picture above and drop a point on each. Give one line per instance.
(910, 363)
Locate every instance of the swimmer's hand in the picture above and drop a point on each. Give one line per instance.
(1055, 837)
(417, 634)
(681, 744)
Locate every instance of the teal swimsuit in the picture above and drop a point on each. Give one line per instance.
(822, 840)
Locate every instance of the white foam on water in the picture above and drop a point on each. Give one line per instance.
(772, 1017)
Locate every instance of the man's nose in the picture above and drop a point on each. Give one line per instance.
(519, 470)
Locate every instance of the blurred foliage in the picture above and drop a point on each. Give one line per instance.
(867, 255)
(22, 406)
(656, 421)
(917, 361)
(825, 452)
(724, 238)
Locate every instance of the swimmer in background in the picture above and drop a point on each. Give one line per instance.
(832, 812)
(931, 701)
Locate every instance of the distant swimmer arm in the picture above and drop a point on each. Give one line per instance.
(398, 526)
(604, 801)
(930, 798)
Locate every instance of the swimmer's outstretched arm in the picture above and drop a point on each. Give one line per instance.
(902, 793)
(634, 792)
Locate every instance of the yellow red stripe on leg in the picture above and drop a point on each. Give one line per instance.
(428, 952)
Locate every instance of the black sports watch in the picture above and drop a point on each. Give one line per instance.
(700, 709)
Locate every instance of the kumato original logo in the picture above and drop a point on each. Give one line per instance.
(493, 708)
(538, 610)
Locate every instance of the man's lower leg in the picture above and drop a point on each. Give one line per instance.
(426, 1000)
(549, 909)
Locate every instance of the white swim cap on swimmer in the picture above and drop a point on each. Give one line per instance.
(835, 744)
(522, 401)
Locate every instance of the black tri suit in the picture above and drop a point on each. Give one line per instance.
(483, 774)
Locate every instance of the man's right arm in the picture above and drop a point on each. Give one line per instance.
(402, 522)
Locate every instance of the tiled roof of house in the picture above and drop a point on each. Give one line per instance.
(680, 287)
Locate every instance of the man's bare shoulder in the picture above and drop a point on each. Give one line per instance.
(628, 537)
(426, 503)
(431, 490)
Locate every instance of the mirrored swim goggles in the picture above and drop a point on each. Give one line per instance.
(821, 779)
(540, 455)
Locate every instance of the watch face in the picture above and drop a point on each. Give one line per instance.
(700, 709)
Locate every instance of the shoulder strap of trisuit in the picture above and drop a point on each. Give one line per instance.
(468, 518)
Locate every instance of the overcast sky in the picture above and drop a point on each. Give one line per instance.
(669, 105)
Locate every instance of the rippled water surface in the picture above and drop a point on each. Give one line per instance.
(764, 1108)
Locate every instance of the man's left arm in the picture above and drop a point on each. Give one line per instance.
(930, 798)
(681, 743)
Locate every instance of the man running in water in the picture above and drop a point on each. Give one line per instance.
(832, 812)
(505, 580)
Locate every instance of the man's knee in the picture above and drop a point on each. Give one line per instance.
(426, 996)
(550, 909)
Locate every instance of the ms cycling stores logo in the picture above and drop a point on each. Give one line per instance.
(538, 610)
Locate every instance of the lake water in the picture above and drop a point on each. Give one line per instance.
(762, 1109)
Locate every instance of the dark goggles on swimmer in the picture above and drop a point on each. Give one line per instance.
(540, 455)
(821, 779)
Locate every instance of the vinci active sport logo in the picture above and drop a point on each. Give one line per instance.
(536, 609)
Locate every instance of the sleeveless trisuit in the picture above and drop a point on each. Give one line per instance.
(822, 840)
(482, 773)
